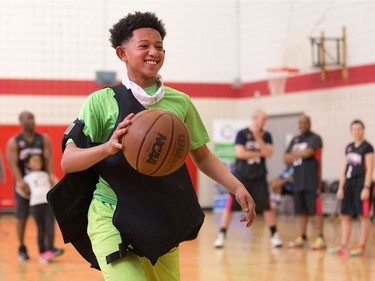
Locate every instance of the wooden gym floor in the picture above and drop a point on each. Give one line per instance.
(247, 256)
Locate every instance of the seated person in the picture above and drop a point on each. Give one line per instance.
(282, 185)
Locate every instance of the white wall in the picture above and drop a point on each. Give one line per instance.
(207, 41)
(68, 39)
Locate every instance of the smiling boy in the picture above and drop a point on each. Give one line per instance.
(136, 222)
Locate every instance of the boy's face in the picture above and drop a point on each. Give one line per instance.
(143, 55)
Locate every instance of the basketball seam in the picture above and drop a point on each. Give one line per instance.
(169, 146)
(187, 136)
(143, 140)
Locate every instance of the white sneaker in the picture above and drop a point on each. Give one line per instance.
(219, 241)
(276, 241)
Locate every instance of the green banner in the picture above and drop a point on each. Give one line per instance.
(224, 151)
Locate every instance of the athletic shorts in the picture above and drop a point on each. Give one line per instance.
(352, 205)
(105, 239)
(258, 189)
(307, 203)
(22, 206)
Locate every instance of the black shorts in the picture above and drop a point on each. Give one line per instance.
(307, 203)
(22, 206)
(352, 205)
(258, 189)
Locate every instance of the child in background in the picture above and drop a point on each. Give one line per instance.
(40, 183)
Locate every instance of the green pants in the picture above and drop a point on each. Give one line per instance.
(105, 239)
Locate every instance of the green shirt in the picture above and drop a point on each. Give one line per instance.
(100, 112)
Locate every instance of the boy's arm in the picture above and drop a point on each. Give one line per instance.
(210, 165)
(76, 159)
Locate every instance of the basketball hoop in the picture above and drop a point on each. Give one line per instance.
(277, 78)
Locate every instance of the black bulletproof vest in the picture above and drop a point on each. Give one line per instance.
(153, 214)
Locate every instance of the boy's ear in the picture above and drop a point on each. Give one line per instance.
(121, 53)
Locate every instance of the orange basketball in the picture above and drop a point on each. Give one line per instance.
(157, 142)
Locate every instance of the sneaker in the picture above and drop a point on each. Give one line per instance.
(319, 244)
(357, 251)
(276, 241)
(22, 254)
(219, 242)
(57, 252)
(46, 257)
(298, 243)
(339, 250)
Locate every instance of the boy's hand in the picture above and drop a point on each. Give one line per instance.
(115, 142)
(247, 205)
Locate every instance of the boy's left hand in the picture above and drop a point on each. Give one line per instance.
(247, 205)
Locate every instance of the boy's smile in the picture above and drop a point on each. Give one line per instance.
(144, 56)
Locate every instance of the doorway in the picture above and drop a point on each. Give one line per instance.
(282, 128)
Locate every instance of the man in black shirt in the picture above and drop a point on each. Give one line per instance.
(19, 149)
(252, 146)
(304, 153)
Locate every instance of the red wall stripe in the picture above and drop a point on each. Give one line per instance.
(305, 82)
(47, 87)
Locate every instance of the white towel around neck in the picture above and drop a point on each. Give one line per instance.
(141, 94)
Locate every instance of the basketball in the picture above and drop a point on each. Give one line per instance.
(157, 142)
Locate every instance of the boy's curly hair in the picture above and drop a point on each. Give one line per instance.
(123, 29)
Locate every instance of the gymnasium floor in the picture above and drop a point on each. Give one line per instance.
(246, 257)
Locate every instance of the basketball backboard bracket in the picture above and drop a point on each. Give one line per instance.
(329, 51)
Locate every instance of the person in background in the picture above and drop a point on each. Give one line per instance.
(280, 186)
(19, 147)
(355, 189)
(252, 146)
(40, 183)
(304, 153)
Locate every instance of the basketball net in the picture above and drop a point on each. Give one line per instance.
(277, 78)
